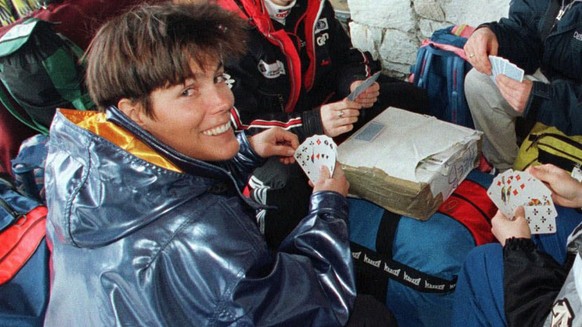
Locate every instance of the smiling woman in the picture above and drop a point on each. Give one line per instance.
(147, 220)
(198, 124)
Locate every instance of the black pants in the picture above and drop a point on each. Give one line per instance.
(290, 193)
(368, 312)
(395, 93)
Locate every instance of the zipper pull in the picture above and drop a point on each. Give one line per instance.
(560, 14)
(533, 138)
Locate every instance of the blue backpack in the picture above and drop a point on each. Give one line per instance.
(440, 69)
(24, 258)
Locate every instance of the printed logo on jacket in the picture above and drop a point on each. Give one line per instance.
(273, 70)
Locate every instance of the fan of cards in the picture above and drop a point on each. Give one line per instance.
(515, 188)
(503, 66)
(314, 152)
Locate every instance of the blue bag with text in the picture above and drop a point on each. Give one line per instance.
(440, 68)
(412, 265)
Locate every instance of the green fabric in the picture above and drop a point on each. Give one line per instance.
(17, 36)
(41, 71)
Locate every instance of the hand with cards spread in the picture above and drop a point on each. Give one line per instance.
(314, 152)
(512, 189)
(503, 66)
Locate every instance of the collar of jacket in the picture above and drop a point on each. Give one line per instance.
(185, 163)
(105, 192)
(256, 14)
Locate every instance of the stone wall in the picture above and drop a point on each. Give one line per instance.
(393, 29)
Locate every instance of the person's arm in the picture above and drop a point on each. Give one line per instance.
(531, 280)
(312, 267)
(309, 280)
(351, 63)
(518, 35)
(255, 149)
(557, 104)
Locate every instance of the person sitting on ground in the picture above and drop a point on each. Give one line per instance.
(515, 283)
(299, 68)
(543, 38)
(147, 223)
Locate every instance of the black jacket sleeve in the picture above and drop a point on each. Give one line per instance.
(532, 280)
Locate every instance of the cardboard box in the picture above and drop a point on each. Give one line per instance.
(408, 163)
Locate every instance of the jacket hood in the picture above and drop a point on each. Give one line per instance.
(91, 181)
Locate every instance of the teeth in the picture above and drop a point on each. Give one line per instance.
(217, 130)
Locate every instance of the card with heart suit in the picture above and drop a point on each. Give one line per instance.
(511, 189)
(315, 151)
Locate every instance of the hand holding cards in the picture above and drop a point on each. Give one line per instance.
(314, 152)
(362, 87)
(512, 189)
(503, 66)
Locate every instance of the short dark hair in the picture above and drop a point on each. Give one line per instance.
(152, 47)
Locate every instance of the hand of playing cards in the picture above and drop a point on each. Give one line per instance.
(512, 189)
(503, 66)
(362, 87)
(314, 152)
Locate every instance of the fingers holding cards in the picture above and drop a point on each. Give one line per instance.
(511, 189)
(503, 66)
(314, 152)
(362, 87)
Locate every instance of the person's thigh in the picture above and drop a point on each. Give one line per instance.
(478, 299)
(369, 312)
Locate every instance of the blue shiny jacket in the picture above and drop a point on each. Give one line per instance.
(135, 244)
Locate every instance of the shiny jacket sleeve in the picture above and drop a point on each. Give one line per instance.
(307, 282)
(532, 280)
(310, 278)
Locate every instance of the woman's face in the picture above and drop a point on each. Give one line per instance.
(194, 118)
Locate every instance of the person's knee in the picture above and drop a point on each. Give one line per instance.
(476, 82)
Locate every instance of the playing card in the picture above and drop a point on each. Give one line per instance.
(518, 188)
(512, 71)
(503, 66)
(540, 219)
(500, 193)
(314, 152)
(577, 173)
(369, 132)
(362, 87)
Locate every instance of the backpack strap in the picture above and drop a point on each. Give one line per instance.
(375, 268)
